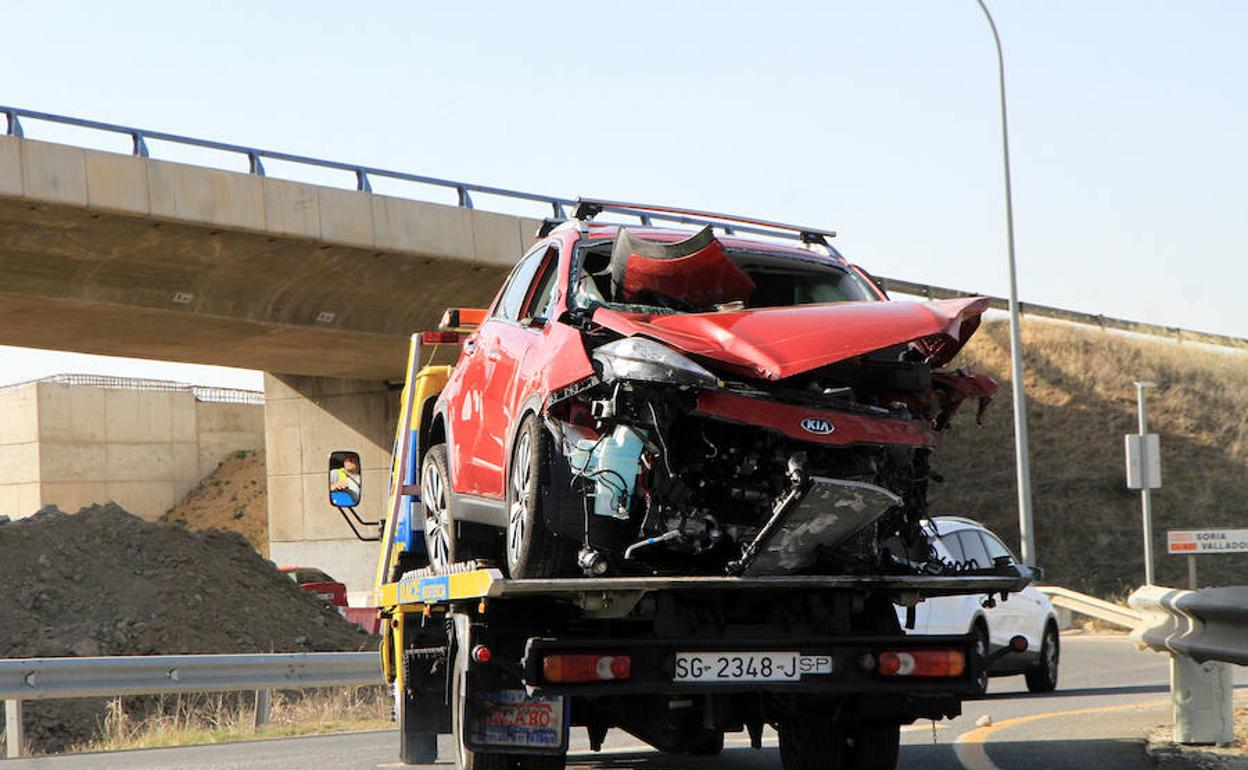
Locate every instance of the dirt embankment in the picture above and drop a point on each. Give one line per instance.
(104, 582)
(1080, 402)
(234, 497)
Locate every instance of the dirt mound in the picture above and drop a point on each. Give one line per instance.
(1080, 402)
(233, 497)
(105, 582)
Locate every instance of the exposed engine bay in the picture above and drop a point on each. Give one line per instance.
(712, 440)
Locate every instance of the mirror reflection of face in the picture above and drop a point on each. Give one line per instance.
(344, 479)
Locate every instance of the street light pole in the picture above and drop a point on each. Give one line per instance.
(1025, 528)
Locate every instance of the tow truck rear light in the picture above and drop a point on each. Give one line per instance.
(440, 338)
(930, 663)
(586, 668)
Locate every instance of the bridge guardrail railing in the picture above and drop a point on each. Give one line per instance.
(560, 206)
(23, 679)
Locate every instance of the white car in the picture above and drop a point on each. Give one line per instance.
(1027, 613)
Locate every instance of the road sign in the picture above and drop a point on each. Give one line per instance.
(1193, 541)
(1143, 461)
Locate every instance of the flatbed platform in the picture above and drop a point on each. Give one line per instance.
(489, 583)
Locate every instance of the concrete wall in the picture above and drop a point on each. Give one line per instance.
(306, 418)
(74, 445)
(19, 450)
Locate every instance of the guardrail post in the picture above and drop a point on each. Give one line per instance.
(15, 125)
(1201, 697)
(264, 703)
(13, 736)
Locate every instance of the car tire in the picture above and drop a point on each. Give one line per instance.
(981, 653)
(533, 551)
(1043, 677)
(443, 542)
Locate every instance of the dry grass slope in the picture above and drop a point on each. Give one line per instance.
(1081, 401)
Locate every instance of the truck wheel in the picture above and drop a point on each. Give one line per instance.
(708, 744)
(872, 746)
(1043, 678)
(533, 551)
(466, 758)
(441, 536)
(810, 745)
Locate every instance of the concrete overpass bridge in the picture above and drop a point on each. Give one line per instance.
(317, 286)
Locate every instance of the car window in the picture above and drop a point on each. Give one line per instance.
(517, 288)
(996, 548)
(954, 547)
(312, 576)
(543, 293)
(973, 548)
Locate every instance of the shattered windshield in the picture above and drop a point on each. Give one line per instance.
(779, 280)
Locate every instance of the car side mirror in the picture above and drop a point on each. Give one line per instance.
(345, 482)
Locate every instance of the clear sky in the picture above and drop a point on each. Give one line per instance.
(879, 119)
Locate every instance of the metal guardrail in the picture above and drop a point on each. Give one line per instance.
(1210, 624)
(559, 206)
(46, 678)
(463, 190)
(1204, 632)
(1092, 606)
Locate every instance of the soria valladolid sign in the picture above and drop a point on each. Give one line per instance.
(1207, 540)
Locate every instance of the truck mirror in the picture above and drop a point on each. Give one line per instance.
(344, 479)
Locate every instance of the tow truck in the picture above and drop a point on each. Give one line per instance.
(508, 667)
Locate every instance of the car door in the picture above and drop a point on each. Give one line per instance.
(1027, 609)
(469, 414)
(1005, 618)
(506, 338)
(949, 614)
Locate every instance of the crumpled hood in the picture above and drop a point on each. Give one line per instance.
(777, 342)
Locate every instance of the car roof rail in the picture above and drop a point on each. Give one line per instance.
(731, 224)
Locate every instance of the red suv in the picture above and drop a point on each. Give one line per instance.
(650, 401)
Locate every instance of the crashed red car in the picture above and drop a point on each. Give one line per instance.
(649, 401)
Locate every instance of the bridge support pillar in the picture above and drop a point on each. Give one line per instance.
(1201, 696)
(306, 418)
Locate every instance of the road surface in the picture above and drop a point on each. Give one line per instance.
(1109, 696)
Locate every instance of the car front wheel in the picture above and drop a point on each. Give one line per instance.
(533, 551)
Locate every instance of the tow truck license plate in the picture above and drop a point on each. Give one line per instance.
(748, 666)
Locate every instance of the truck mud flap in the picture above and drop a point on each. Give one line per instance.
(830, 512)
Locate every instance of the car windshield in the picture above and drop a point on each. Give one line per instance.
(780, 280)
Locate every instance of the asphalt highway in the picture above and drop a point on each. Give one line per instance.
(1109, 695)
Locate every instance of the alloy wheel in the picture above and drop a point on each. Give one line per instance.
(437, 523)
(517, 517)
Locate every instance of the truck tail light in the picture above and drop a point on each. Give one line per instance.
(930, 663)
(586, 668)
(441, 338)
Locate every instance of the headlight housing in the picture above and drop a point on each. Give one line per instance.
(638, 358)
